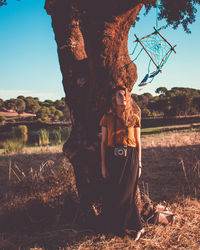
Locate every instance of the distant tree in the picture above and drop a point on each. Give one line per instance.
(196, 103)
(143, 100)
(163, 106)
(180, 104)
(3, 120)
(59, 104)
(52, 109)
(44, 110)
(32, 104)
(43, 113)
(43, 117)
(21, 97)
(20, 106)
(156, 98)
(162, 96)
(59, 114)
(47, 103)
(34, 108)
(170, 94)
(10, 104)
(177, 101)
(161, 90)
(55, 118)
(183, 91)
(1, 102)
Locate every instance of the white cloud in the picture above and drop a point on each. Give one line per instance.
(7, 94)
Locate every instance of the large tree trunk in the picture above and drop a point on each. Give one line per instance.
(92, 47)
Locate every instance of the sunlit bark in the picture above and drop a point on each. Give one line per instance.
(93, 55)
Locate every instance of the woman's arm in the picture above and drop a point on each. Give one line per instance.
(138, 145)
(103, 152)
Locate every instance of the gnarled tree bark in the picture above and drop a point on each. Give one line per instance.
(91, 38)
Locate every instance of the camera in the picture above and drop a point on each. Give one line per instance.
(120, 151)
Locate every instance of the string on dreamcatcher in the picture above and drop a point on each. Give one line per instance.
(158, 49)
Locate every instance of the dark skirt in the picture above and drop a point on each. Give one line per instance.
(120, 211)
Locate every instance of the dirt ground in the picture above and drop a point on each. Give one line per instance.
(165, 156)
(31, 220)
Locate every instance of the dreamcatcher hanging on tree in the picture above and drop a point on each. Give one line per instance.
(158, 50)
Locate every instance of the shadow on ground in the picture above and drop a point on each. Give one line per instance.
(170, 171)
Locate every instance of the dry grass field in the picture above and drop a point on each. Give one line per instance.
(38, 208)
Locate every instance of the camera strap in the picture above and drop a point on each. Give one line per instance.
(115, 129)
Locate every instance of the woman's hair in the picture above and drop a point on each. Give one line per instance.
(130, 109)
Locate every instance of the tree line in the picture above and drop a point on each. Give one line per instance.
(173, 102)
(47, 110)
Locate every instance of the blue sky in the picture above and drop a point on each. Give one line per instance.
(29, 63)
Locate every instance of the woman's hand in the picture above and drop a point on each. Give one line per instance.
(104, 172)
(140, 171)
(138, 145)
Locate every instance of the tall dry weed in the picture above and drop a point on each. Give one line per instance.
(51, 185)
(48, 176)
(192, 178)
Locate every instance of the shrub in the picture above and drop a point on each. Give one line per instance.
(43, 113)
(58, 115)
(20, 133)
(43, 137)
(13, 146)
(52, 109)
(2, 120)
(43, 117)
(56, 118)
(56, 136)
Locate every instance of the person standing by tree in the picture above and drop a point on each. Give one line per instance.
(92, 38)
(120, 164)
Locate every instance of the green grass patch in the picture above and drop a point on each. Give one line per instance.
(43, 137)
(13, 146)
(169, 128)
(156, 129)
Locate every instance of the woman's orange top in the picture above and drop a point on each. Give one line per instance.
(124, 135)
